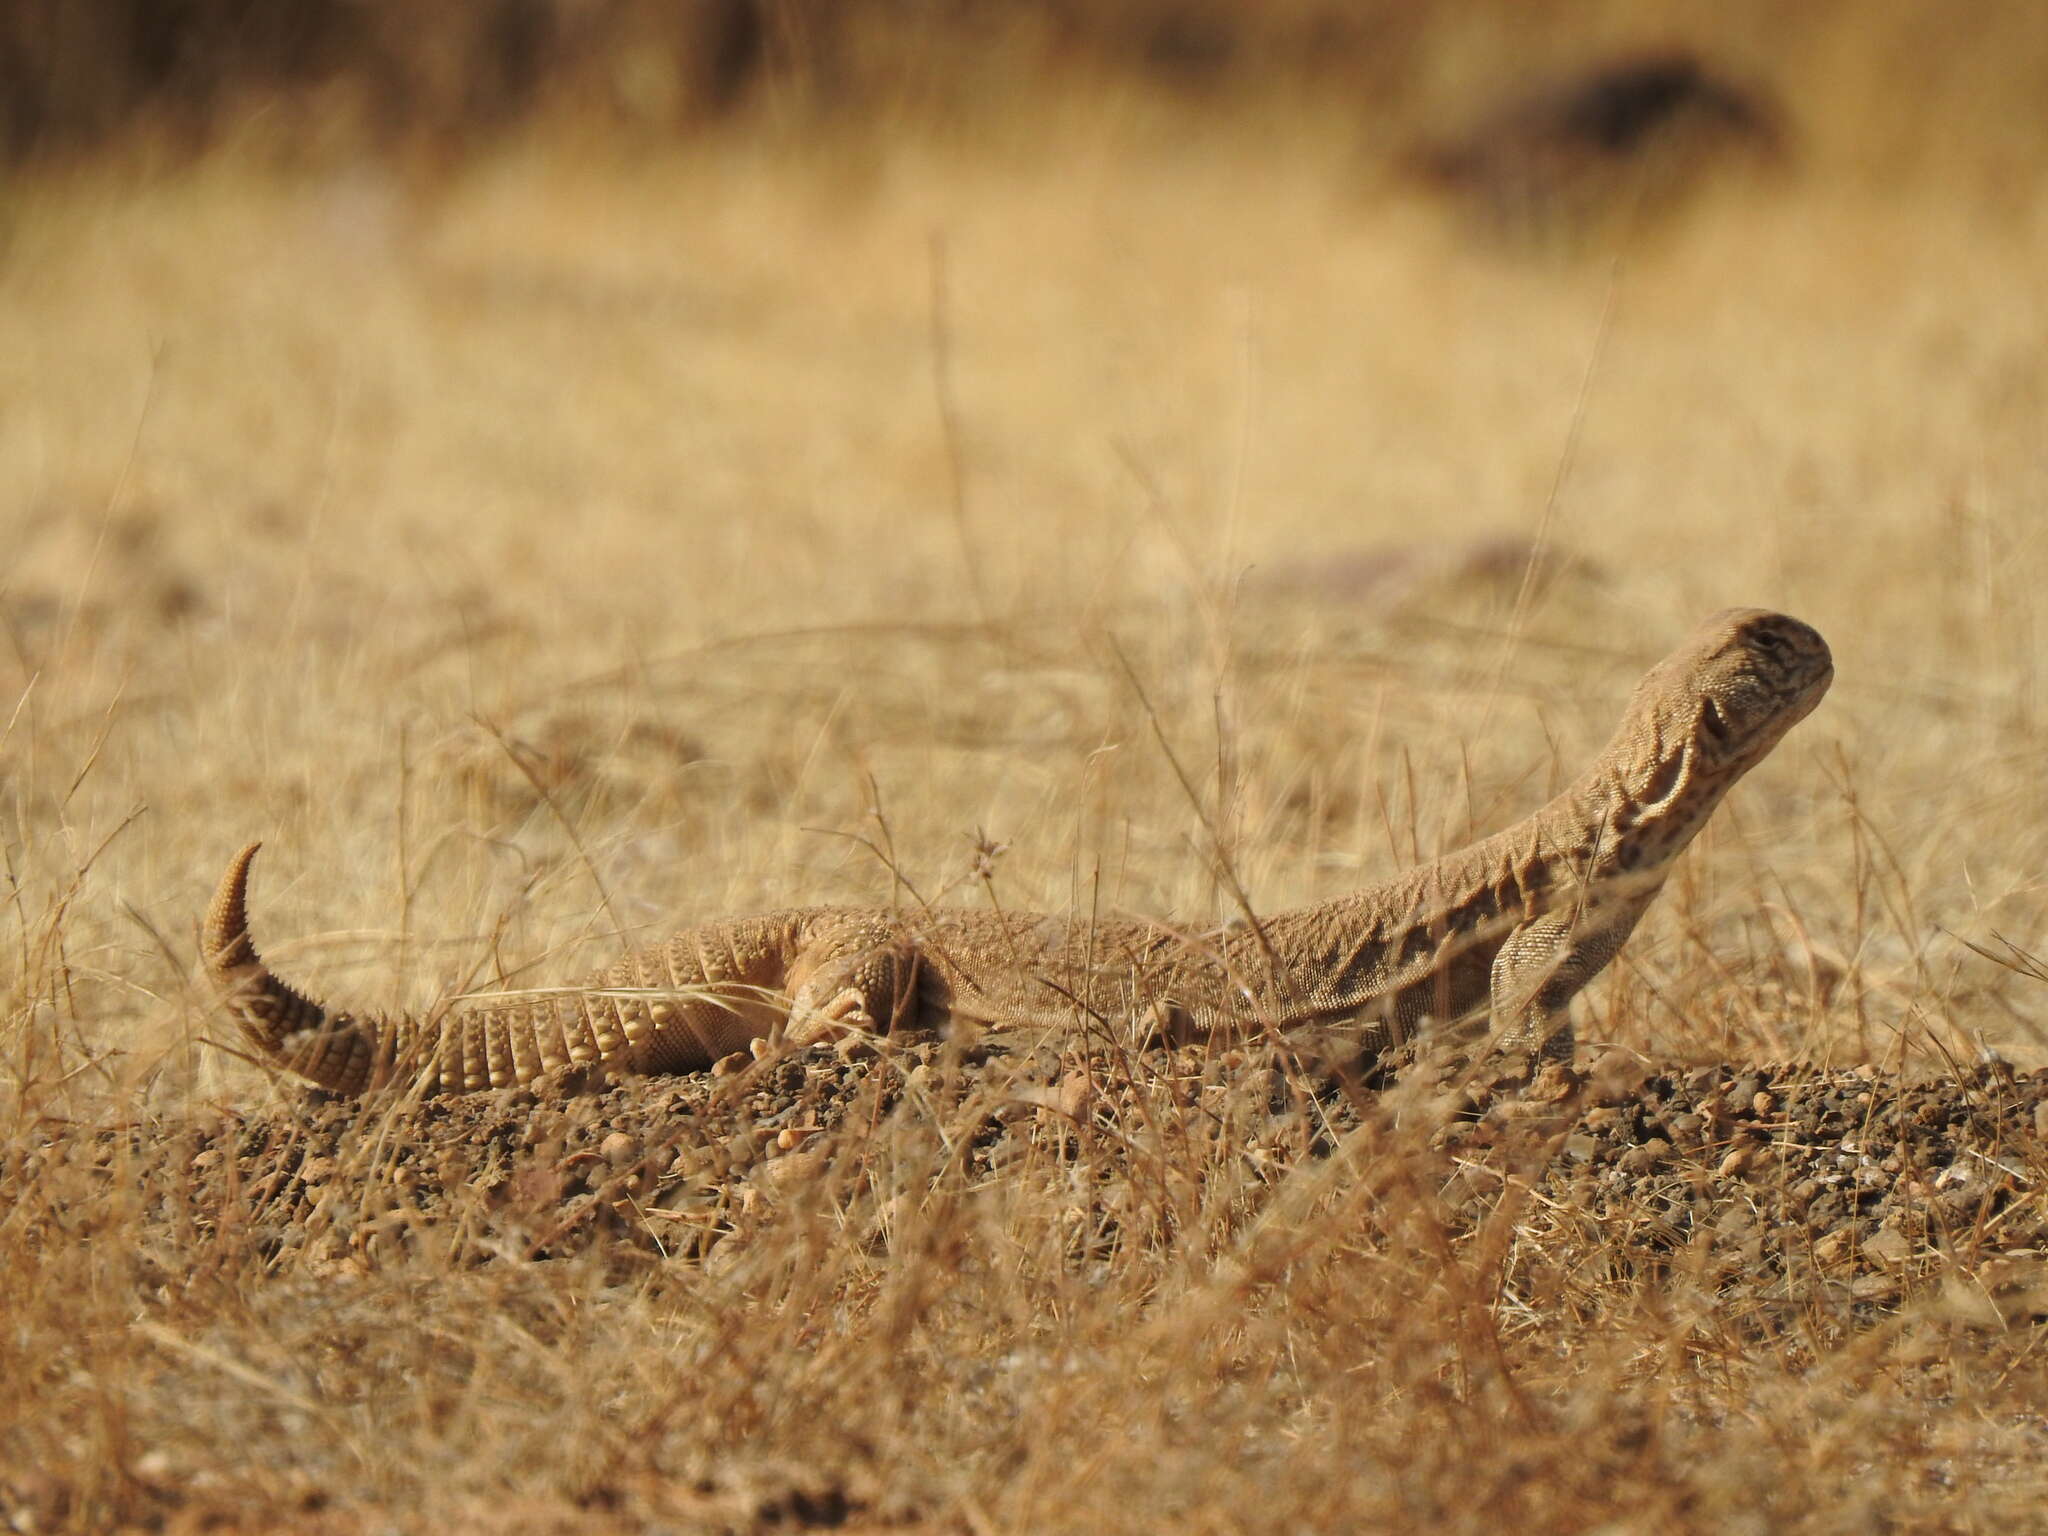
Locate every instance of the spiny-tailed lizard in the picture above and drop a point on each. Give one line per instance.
(1513, 926)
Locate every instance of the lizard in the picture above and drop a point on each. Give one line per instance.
(1508, 930)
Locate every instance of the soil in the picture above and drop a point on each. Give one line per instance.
(1760, 1181)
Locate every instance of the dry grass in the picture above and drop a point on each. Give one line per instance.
(575, 546)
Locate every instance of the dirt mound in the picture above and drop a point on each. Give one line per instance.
(1759, 1182)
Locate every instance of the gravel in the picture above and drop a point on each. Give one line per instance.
(1766, 1181)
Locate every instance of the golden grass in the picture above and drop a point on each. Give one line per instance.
(575, 547)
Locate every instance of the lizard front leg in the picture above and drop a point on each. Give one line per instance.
(1543, 965)
(869, 985)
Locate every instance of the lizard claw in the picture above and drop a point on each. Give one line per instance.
(845, 1014)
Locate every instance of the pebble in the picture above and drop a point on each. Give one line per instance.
(784, 1175)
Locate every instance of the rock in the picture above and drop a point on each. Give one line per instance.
(1646, 1158)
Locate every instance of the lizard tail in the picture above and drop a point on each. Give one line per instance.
(338, 1051)
(461, 1048)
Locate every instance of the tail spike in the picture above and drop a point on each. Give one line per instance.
(338, 1052)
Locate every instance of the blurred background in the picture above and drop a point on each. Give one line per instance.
(1279, 275)
(1886, 90)
(542, 458)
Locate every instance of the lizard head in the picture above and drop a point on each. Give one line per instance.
(1741, 680)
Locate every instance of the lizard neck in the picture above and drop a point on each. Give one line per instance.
(1639, 803)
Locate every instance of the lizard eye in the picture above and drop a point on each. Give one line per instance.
(1779, 648)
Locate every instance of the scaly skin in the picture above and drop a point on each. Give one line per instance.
(1513, 927)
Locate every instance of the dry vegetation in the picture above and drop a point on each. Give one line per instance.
(550, 543)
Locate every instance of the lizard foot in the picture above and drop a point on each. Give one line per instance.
(846, 1013)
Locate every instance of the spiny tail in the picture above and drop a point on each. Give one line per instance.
(338, 1051)
(615, 1023)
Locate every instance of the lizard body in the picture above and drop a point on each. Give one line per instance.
(1513, 926)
